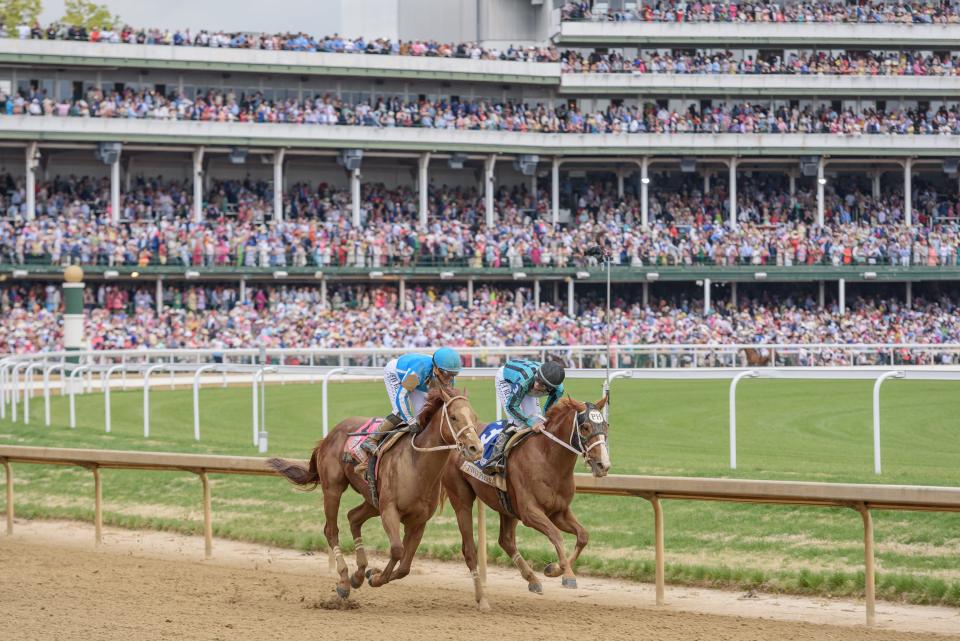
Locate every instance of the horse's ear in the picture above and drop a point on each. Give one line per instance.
(580, 407)
(602, 401)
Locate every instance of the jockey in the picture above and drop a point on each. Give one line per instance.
(408, 379)
(519, 385)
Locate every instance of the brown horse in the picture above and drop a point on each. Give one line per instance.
(540, 486)
(755, 358)
(409, 483)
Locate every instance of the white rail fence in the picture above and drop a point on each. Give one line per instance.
(18, 383)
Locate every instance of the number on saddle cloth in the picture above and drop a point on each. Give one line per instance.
(488, 437)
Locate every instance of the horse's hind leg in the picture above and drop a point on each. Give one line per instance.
(357, 517)
(567, 522)
(508, 541)
(331, 509)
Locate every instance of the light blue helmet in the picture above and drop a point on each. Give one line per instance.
(448, 360)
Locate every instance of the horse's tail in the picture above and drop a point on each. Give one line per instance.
(306, 477)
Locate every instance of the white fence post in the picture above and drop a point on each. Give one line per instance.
(72, 389)
(733, 414)
(106, 394)
(323, 396)
(146, 397)
(4, 364)
(606, 388)
(46, 389)
(876, 415)
(27, 392)
(196, 398)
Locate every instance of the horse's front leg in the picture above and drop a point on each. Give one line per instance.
(540, 522)
(390, 518)
(357, 517)
(411, 541)
(567, 522)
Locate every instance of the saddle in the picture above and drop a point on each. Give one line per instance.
(354, 455)
(491, 451)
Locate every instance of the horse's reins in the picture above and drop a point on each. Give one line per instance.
(582, 451)
(445, 422)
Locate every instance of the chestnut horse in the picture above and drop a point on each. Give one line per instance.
(755, 358)
(408, 482)
(540, 486)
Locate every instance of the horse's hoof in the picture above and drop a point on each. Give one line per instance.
(552, 570)
(343, 593)
(483, 606)
(369, 573)
(356, 581)
(569, 583)
(536, 588)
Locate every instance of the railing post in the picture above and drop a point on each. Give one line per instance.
(869, 576)
(323, 396)
(9, 475)
(207, 516)
(733, 414)
(876, 415)
(106, 395)
(72, 388)
(27, 392)
(196, 398)
(97, 505)
(146, 397)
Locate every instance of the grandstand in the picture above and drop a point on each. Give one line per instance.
(780, 172)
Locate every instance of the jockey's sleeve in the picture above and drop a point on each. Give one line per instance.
(514, 409)
(554, 396)
(404, 404)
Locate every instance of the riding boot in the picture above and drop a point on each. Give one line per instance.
(371, 444)
(495, 464)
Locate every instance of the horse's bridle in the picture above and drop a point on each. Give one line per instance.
(445, 422)
(597, 430)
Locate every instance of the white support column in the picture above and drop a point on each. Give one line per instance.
(793, 182)
(907, 192)
(401, 302)
(706, 295)
(646, 294)
(876, 183)
(115, 191)
(355, 197)
(821, 181)
(32, 159)
(243, 289)
(644, 191)
(619, 182)
(128, 174)
(324, 302)
(821, 294)
(706, 182)
(555, 191)
(278, 185)
(843, 297)
(198, 184)
(159, 295)
(536, 293)
(909, 295)
(489, 165)
(469, 293)
(423, 184)
(571, 308)
(733, 192)
(733, 293)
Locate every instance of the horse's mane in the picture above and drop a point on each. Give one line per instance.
(563, 405)
(434, 402)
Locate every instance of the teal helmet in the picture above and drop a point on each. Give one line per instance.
(448, 360)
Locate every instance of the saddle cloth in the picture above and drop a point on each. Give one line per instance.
(351, 446)
(488, 437)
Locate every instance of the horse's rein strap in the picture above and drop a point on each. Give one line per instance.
(446, 422)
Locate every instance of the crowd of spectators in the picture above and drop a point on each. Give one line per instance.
(746, 11)
(688, 227)
(489, 115)
(707, 62)
(361, 316)
(292, 41)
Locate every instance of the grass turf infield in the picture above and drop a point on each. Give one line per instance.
(792, 430)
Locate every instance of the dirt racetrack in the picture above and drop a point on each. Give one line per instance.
(151, 586)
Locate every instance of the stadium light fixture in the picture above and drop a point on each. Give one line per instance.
(869, 275)
(376, 274)
(519, 275)
(134, 274)
(279, 274)
(760, 275)
(111, 273)
(446, 275)
(645, 181)
(20, 273)
(583, 274)
(318, 275)
(652, 276)
(822, 181)
(191, 274)
(455, 161)
(238, 156)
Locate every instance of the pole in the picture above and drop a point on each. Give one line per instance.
(197, 186)
(115, 191)
(821, 181)
(355, 197)
(733, 414)
(278, 185)
(489, 167)
(644, 192)
(908, 191)
(876, 415)
(733, 193)
(423, 185)
(607, 317)
(9, 473)
(555, 191)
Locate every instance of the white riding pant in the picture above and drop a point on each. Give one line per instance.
(396, 393)
(530, 405)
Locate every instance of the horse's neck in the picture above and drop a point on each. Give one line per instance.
(431, 436)
(560, 458)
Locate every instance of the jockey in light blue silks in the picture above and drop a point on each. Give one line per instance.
(520, 384)
(408, 379)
